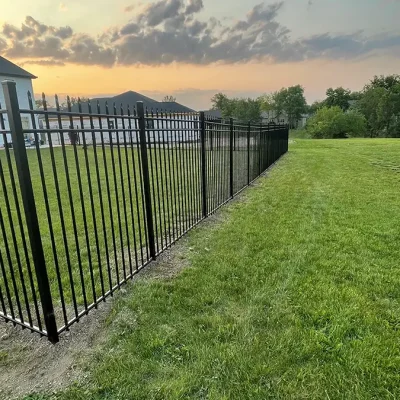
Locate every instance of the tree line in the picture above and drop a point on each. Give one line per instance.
(372, 112)
(289, 102)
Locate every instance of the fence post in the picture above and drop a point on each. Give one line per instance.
(203, 164)
(146, 179)
(231, 157)
(271, 146)
(260, 151)
(286, 139)
(248, 153)
(28, 200)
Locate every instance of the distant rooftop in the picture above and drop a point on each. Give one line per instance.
(213, 113)
(8, 68)
(129, 99)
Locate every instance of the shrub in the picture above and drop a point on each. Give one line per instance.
(332, 123)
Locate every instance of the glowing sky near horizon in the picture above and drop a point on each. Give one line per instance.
(317, 44)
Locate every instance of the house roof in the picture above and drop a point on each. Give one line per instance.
(173, 106)
(213, 113)
(10, 69)
(130, 99)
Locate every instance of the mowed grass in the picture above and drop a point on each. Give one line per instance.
(293, 294)
(97, 216)
(93, 226)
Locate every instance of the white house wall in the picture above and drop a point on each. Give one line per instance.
(23, 85)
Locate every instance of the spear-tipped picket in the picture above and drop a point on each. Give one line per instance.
(2, 123)
(69, 107)
(30, 102)
(57, 102)
(44, 102)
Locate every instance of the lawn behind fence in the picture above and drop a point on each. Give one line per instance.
(293, 294)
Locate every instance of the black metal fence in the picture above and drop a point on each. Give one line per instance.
(89, 197)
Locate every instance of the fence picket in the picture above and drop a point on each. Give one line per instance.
(111, 209)
(28, 200)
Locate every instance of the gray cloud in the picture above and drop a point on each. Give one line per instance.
(50, 63)
(36, 25)
(261, 13)
(349, 46)
(170, 31)
(130, 28)
(85, 50)
(154, 14)
(48, 46)
(3, 45)
(12, 32)
(63, 33)
(194, 6)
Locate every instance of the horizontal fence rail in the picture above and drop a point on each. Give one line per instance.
(90, 196)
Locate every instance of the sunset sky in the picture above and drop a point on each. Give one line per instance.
(195, 48)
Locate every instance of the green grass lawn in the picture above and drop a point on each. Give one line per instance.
(293, 294)
(115, 225)
(108, 240)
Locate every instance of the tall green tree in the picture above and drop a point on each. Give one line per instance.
(279, 99)
(287, 101)
(356, 95)
(386, 82)
(389, 111)
(247, 110)
(380, 104)
(294, 104)
(369, 105)
(240, 108)
(267, 102)
(315, 107)
(221, 102)
(338, 97)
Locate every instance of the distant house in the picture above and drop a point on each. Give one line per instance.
(272, 117)
(23, 80)
(211, 114)
(303, 121)
(129, 99)
(118, 127)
